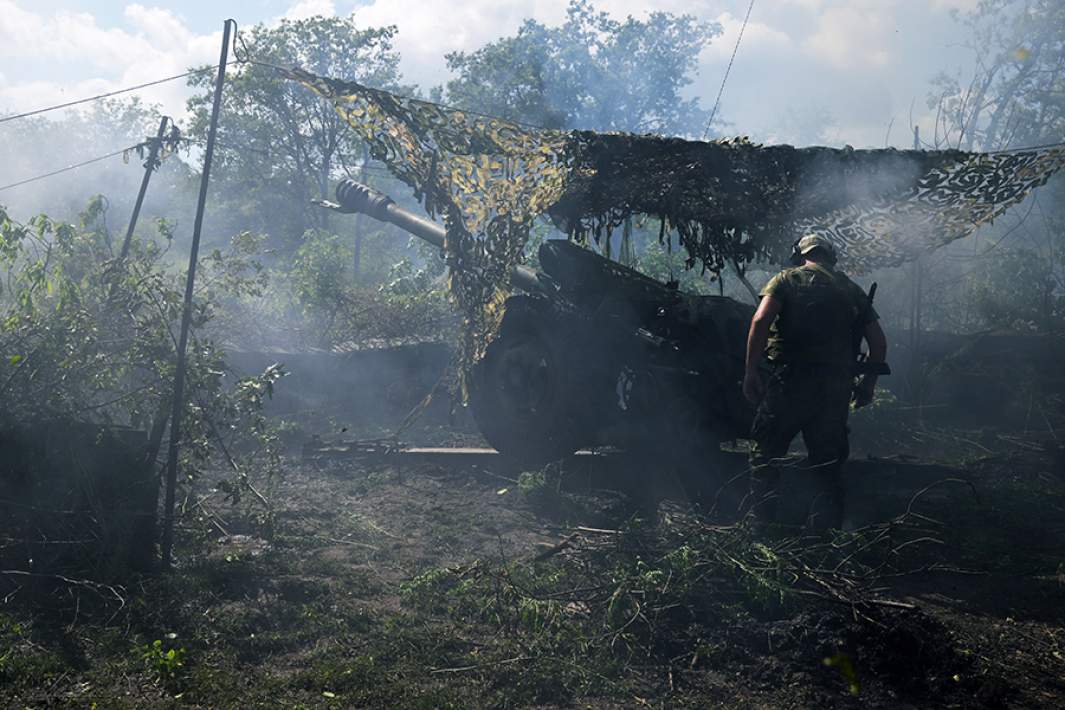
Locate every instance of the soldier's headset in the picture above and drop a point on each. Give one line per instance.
(796, 258)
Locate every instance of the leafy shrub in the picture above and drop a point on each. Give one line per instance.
(88, 336)
(164, 663)
(320, 296)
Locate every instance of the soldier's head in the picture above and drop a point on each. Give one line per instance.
(813, 247)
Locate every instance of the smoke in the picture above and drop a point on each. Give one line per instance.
(37, 145)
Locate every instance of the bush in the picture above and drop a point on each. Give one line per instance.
(89, 338)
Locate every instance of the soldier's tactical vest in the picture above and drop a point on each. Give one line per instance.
(821, 310)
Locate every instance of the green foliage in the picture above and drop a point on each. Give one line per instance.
(428, 590)
(56, 303)
(843, 663)
(588, 613)
(331, 308)
(592, 72)
(280, 145)
(661, 262)
(532, 483)
(407, 281)
(1018, 290)
(88, 337)
(542, 488)
(165, 664)
(1015, 97)
(319, 273)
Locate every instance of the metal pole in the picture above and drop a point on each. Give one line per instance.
(178, 402)
(149, 167)
(915, 314)
(357, 261)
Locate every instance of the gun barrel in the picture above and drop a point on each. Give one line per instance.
(356, 197)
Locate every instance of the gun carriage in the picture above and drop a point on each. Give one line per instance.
(592, 353)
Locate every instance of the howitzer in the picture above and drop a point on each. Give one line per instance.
(356, 197)
(593, 353)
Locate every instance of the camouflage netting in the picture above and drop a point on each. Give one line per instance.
(730, 201)
(488, 178)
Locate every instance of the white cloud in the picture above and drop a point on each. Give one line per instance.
(849, 36)
(960, 5)
(809, 5)
(427, 31)
(65, 36)
(64, 55)
(310, 8)
(862, 60)
(758, 37)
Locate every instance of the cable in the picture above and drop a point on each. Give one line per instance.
(728, 69)
(5, 119)
(76, 165)
(376, 168)
(1059, 144)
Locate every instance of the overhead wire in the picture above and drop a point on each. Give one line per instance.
(97, 97)
(239, 59)
(721, 89)
(135, 146)
(242, 55)
(90, 161)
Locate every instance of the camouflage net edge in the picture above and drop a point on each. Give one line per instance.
(488, 178)
(731, 201)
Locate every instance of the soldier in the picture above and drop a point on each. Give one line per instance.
(810, 324)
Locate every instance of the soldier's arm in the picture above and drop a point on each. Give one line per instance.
(757, 337)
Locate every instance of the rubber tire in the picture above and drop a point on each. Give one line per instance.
(550, 431)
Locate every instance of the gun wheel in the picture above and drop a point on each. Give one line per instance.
(523, 391)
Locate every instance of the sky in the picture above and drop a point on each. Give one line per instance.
(829, 72)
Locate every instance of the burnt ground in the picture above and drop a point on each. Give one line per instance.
(430, 586)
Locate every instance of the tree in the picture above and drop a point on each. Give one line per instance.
(592, 72)
(1010, 274)
(37, 145)
(1016, 96)
(280, 144)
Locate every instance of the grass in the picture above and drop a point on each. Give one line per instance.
(436, 591)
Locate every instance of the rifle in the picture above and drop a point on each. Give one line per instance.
(861, 365)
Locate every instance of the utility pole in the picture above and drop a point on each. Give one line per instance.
(178, 401)
(149, 167)
(356, 264)
(916, 383)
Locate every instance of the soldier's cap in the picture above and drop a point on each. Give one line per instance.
(814, 241)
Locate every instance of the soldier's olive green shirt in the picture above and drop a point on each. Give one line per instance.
(821, 311)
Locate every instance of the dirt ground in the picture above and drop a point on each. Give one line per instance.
(373, 584)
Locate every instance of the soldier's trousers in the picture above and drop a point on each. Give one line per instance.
(813, 401)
